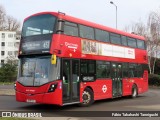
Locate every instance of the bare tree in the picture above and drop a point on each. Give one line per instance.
(12, 24)
(2, 17)
(151, 31)
(138, 28)
(7, 22)
(153, 39)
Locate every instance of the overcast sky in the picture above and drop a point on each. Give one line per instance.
(98, 11)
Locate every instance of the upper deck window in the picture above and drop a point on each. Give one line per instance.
(124, 40)
(71, 29)
(115, 38)
(132, 42)
(38, 25)
(102, 35)
(86, 32)
(140, 44)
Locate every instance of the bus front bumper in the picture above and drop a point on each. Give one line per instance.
(45, 98)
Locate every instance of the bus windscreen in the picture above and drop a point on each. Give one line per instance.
(37, 71)
(39, 25)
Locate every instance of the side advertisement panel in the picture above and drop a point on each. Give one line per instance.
(97, 48)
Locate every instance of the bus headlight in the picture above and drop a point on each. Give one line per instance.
(53, 87)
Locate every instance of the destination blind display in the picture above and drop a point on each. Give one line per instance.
(36, 46)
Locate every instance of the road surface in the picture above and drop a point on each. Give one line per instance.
(149, 101)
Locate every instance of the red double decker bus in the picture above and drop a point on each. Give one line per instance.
(66, 60)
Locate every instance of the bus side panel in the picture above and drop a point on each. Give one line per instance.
(102, 88)
(145, 77)
(145, 81)
(142, 84)
(81, 91)
(139, 83)
(126, 87)
(68, 46)
(129, 82)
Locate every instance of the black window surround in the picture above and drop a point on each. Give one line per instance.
(104, 36)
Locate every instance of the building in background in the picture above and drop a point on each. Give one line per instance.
(9, 45)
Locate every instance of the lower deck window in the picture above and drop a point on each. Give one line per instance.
(103, 69)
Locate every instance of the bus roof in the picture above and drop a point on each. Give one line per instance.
(87, 23)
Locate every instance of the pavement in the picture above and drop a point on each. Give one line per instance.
(11, 86)
(7, 89)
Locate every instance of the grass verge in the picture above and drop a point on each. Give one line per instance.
(154, 87)
(6, 83)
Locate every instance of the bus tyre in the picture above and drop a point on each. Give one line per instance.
(87, 97)
(134, 91)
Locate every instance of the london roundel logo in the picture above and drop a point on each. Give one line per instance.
(104, 88)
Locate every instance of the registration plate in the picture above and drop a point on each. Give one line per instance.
(31, 101)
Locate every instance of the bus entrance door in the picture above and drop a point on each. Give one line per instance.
(70, 73)
(116, 79)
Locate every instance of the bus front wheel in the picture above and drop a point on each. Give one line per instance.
(87, 97)
(134, 91)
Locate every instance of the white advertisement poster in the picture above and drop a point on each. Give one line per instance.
(97, 48)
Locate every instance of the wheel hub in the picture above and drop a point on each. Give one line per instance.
(86, 97)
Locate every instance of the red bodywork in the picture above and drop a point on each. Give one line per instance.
(61, 42)
(40, 94)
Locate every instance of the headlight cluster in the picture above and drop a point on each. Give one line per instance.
(15, 86)
(53, 87)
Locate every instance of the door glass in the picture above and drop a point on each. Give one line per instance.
(114, 78)
(119, 79)
(66, 79)
(75, 78)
